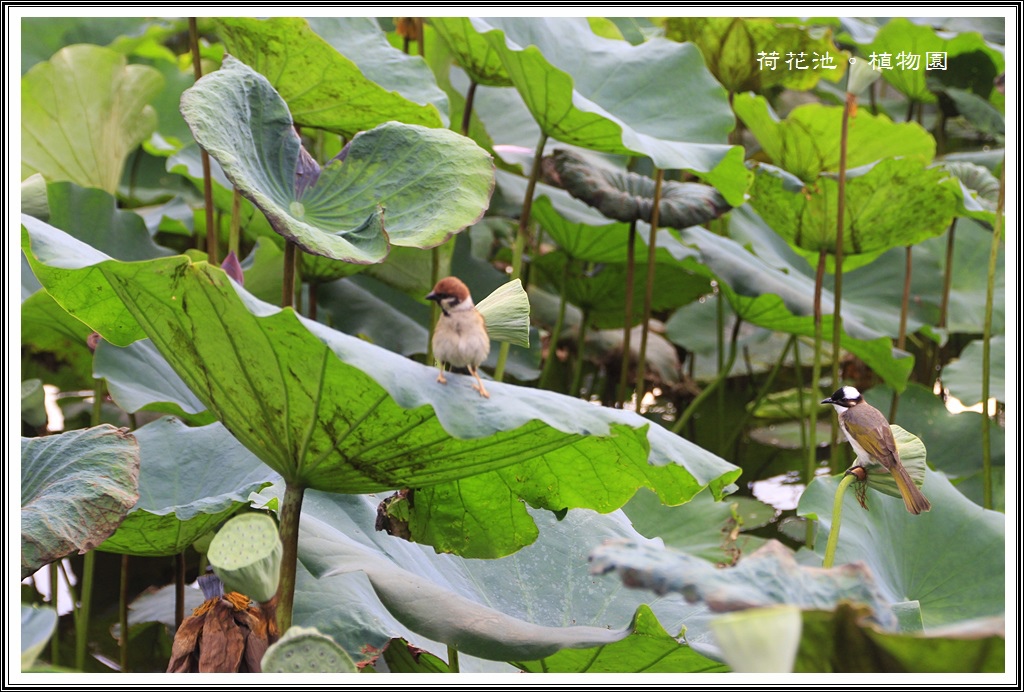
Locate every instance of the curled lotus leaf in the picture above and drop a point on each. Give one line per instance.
(627, 196)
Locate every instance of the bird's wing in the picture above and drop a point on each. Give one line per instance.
(877, 441)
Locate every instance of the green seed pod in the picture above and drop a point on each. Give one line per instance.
(306, 650)
(246, 555)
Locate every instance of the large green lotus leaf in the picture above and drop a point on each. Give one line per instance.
(76, 488)
(767, 294)
(43, 36)
(191, 481)
(702, 527)
(472, 52)
(92, 216)
(896, 203)
(732, 45)
(840, 642)
(54, 344)
(769, 576)
(85, 134)
(899, 548)
(527, 607)
(433, 183)
(330, 411)
(582, 90)
(346, 78)
(807, 142)
(963, 376)
(139, 378)
(900, 35)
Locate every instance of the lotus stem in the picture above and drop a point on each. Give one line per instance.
(837, 516)
(235, 233)
(652, 247)
(179, 590)
(84, 608)
(122, 614)
(812, 437)
(288, 280)
(620, 395)
(520, 243)
(901, 339)
(577, 375)
(723, 373)
(54, 590)
(837, 309)
(467, 111)
(291, 509)
(549, 360)
(763, 392)
(211, 229)
(986, 344)
(453, 659)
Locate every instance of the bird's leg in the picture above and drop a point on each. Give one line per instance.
(480, 383)
(440, 375)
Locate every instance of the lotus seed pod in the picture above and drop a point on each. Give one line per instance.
(246, 555)
(306, 650)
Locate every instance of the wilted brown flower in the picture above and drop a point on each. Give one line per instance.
(226, 634)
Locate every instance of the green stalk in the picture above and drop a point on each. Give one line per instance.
(723, 374)
(720, 399)
(837, 516)
(812, 437)
(520, 244)
(641, 366)
(122, 614)
(837, 309)
(799, 373)
(577, 374)
(83, 607)
(179, 590)
(620, 395)
(235, 233)
(453, 659)
(901, 339)
(947, 287)
(211, 229)
(467, 111)
(288, 281)
(549, 360)
(291, 508)
(986, 344)
(83, 610)
(762, 393)
(54, 589)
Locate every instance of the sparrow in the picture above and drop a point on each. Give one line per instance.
(460, 337)
(869, 433)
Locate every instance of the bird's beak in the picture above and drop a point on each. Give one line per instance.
(431, 296)
(827, 401)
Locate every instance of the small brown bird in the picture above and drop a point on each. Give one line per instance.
(460, 337)
(871, 437)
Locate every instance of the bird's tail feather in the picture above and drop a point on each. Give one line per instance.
(913, 498)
